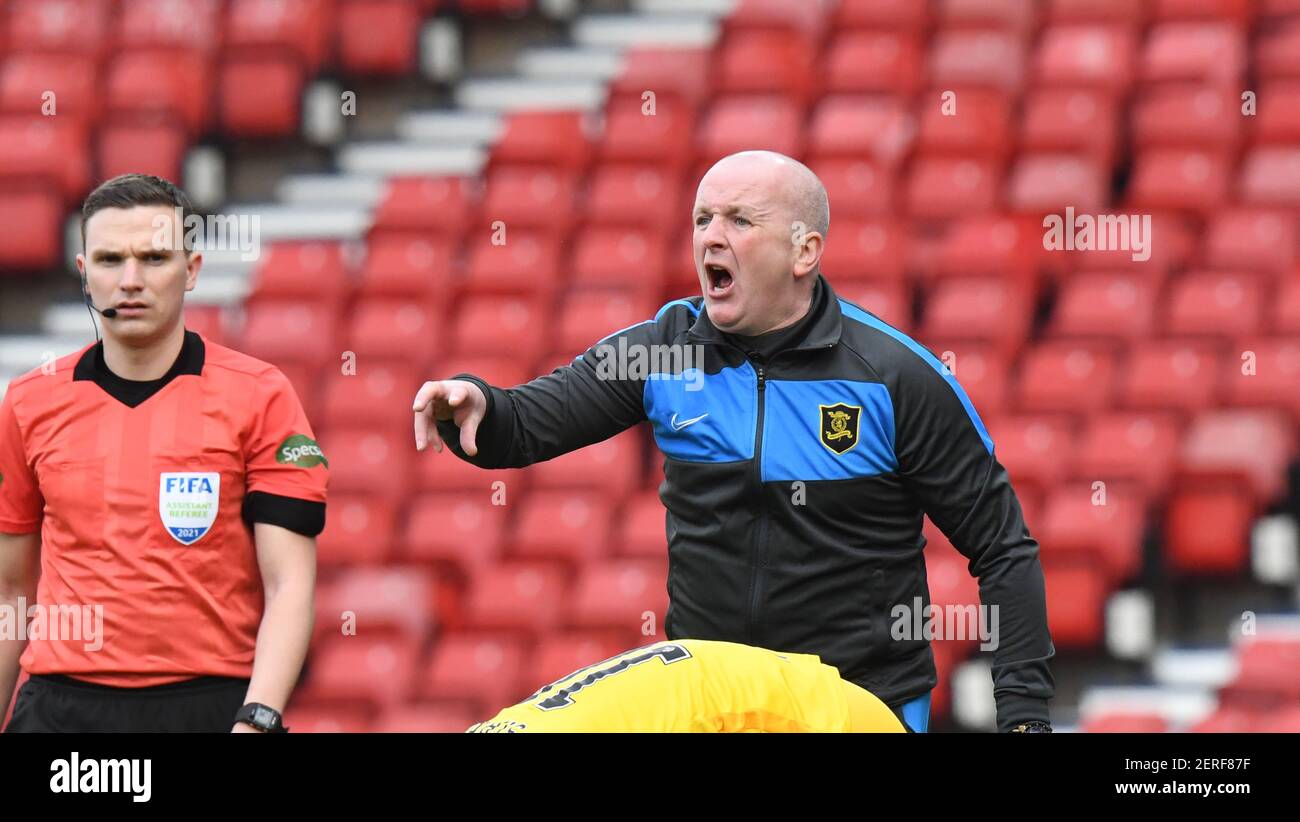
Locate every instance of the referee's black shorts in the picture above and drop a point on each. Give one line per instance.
(61, 704)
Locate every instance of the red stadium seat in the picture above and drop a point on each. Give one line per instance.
(891, 301)
(260, 95)
(1277, 51)
(1007, 15)
(587, 317)
(59, 26)
(605, 249)
(857, 127)
(525, 597)
(992, 245)
(882, 14)
(1125, 723)
(1266, 667)
(866, 249)
(778, 16)
(634, 196)
(180, 24)
(301, 269)
(377, 37)
(425, 719)
(409, 263)
(611, 468)
(640, 530)
(625, 595)
(298, 27)
(680, 72)
(172, 82)
(569, 525)
(529, 196)
(1033, 447)
(497, 369)
(744, 122)
(330, 719)
(206, 320)
(1179, 179)
(1121, 251)
(32, 217)
(1286, 308)
(1106, 305)
(858, 188)
(359, 528)
(1082, 122)
(1252, 239)
(377, 395)
(635, 131)
(1099, 525)
(462, 530)
(981, 369)
(1186, 115)
(53, 148)
(49, 84)
(374, 673)
(526, 264)
(568, 652)
(440, 205)
(367, 461)
(878, 61)
(1225, 719)
(1139, 447)
(1270, 176)
(1082, 11)
(979, 126)
(479, 669)
(1209, 52)
(1214, 304)
(281, 329)
(1250, 448)
(500, 326)
(553, 138)
(764, 62)
(149, 144)
(942, 187)
(1170, 375)
(1101, 57)
(1048, 183)
(1207, 530)
(1067, 377)
(977, 58)
(388, 328)
(980, 310)
(390, 601)
(1076, 596)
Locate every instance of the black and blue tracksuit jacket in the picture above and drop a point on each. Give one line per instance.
(795, 486)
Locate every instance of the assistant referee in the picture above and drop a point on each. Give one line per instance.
(168, 492)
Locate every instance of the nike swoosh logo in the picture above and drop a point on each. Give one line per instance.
(677, 426)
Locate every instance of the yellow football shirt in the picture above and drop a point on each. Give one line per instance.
(699, 686)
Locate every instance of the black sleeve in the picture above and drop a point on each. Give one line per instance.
(946, 458)
(301, 516)
(587, 401)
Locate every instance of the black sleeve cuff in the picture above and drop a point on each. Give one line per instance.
(298, 515)
(1013, 709)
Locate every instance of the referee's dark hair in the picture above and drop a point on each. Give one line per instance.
(129, 190)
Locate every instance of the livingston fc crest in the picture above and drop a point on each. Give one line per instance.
(839, 426)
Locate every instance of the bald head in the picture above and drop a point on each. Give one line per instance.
(793, 184)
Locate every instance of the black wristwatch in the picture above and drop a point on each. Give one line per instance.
(1033, 726)
(261, 717)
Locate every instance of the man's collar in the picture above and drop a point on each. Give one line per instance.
(825, 330)
(92, 367)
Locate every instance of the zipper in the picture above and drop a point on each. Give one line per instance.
(758, 556)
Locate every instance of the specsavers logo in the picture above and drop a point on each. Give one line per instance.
(302, 451)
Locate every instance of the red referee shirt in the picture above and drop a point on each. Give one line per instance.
(145, 494)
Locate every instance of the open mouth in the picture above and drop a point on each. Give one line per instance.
(720, 279)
